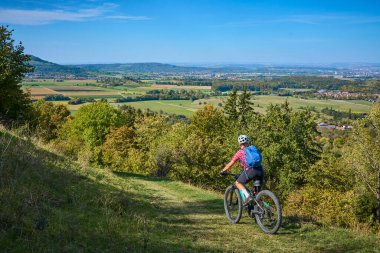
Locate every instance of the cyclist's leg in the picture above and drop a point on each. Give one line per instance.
(245, 177)
(242, 180)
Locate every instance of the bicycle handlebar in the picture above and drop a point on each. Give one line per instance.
(231, 174)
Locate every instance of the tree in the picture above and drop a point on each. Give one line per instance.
(363, 154)
(244, 105)
(93, 122)
(117, 145)
(209, 121)
(48, 119)
(286, 139)
(13, 67)
(230, 107)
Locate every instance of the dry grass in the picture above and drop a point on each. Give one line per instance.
(39, 91)
(72, 88)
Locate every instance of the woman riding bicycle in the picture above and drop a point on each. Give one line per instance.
(250, 170)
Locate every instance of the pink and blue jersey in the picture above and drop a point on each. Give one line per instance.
(240, 156)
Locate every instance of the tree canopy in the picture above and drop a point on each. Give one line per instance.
(13, 67)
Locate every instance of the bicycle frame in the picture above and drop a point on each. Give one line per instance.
(251, 192)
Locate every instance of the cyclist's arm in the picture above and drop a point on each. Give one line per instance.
(229, 165)
(232, 162)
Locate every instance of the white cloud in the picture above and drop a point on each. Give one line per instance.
(122, 17)
(305, 19)
(42, 17)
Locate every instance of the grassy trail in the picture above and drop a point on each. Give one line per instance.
(199, 222)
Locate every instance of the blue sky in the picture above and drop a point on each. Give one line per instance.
(196, 31)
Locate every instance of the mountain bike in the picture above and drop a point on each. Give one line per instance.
(264, 207)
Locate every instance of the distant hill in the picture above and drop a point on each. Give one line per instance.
(140, 68)
(48, 68)
(154, 68)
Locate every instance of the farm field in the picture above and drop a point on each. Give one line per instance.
(187, 108)
(51, 82)
(72, 91)
(358, 106)
(180, 107)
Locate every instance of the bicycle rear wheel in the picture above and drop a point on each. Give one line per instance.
(233, 204)
(268, 212)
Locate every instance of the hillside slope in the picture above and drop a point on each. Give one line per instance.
(50, 204)
(43, 67)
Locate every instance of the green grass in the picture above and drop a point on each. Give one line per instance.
(51, 204)
(187, 108)
(183, 107)
(340, 105)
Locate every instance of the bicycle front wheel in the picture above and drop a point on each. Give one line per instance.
(268, 212)
(233, 204)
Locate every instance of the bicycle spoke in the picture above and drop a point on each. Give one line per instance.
(232, 204)
(268, 212)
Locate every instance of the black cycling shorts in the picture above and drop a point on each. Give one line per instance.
(248, 175)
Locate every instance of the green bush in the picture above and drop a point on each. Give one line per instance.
(48, 118)
(117, 145)
(365, 208)
(137, 162)
(199, 160)
(325, 206)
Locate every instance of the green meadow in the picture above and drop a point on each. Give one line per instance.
(297, 103)
(187, 108)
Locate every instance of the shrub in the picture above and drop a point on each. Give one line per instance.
(48, 119)
(198, 162)
(209, 121)
(325, 206)
(117, 145)
(183, 154)
(365, 208)
(137, 162)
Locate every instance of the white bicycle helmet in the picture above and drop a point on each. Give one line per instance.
(242, 139)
